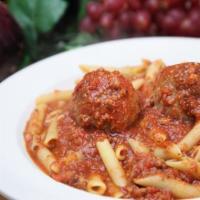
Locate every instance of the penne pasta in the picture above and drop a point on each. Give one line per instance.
(179, 189)
(121, 152)
(154, 69)
(137, 84)
(46, 157)
(35, 143)
(89, 68)
(55, 96)
(171, 151)
(114, 191)
(137, 146)
(187, 165)
(35, 125)
(118, 194)
(145, 62)
(96, 185)
(111, 163)
(52, 115)
(92, 139)
(191, 139)
(197, 154)
(127, 71)
(131, 71)
(52, 132)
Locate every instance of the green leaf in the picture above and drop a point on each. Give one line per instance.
(41, 15)
(23, 13)
(35, 17)
(26, 60)
(48, 12)
(79, 40)
(82, 8)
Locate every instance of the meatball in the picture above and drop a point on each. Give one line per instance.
(177, 90)
(104, 100)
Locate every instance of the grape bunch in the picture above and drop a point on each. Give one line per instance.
(11, 38)
(11, 43)
(126, 18)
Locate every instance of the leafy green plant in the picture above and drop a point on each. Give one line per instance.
(82, 10)
(36, 17)
(80, 40)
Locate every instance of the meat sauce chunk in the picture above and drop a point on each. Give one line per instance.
(104, 100)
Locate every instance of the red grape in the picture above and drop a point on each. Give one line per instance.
(87, 25)
(117, 18)
(124, 20)
(188, 5)
(195, 3)
(141, 21)
(166, 4)
(114, 5)
(152, 5)
(153, 29)
(171, 21)
(94, 10)
(11, 43)
(135, 4)
(106, 20)
(115, 31)
(187, 27)
(194, 16)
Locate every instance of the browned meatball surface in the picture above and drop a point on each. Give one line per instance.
(177, 90)
(104, 100)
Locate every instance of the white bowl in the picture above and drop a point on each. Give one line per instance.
(20, 178)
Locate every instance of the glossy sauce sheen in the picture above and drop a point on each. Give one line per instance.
(79, 145)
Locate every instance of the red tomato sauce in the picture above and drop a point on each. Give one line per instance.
(75, 149)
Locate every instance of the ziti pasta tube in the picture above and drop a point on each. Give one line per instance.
(121, 151)
(197, 154)
(191, 139)
(46, 157)
(171, 151)
(111, 163)
(127, 71)
(179, 189)
(54, 96)
(35, 124)
(137, 83)
(96, 185)
(137, 146)
(154, 69)
(52, 132)
(186, 164)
